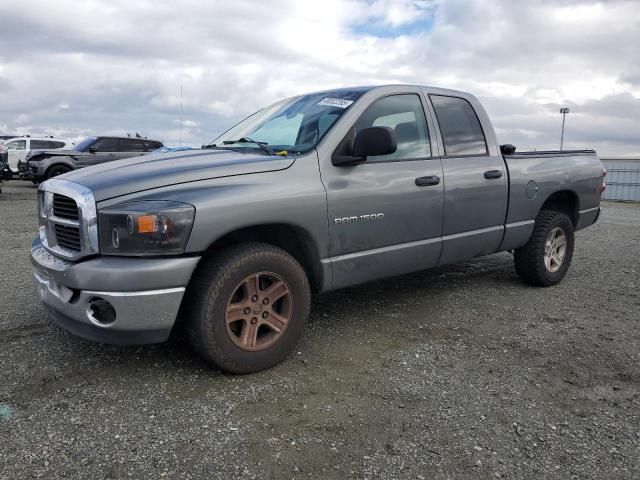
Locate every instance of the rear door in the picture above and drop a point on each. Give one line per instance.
(476, 184)
(131, 147)
(385, 215)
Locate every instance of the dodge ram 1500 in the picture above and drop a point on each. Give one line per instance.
(313, 193)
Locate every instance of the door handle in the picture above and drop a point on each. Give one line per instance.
(427, 181)
(491, 174)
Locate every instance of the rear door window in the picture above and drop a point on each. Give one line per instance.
(131, 145)
(39, 144)
(461, 131)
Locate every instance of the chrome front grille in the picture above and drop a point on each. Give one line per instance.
(68, 220)
(65, 207)
(68, 237)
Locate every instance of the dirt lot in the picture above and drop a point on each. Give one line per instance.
(460, 372)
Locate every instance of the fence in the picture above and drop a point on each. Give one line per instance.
(623, 179)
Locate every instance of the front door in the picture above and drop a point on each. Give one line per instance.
(102, 150)
(385, 215)
(476, 184)
(16, 152)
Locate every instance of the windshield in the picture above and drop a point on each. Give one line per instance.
(294, 125)
(84, 144)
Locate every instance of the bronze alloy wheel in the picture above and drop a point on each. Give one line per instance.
(259, 311)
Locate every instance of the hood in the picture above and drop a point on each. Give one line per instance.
(49, 153)
(131, 175)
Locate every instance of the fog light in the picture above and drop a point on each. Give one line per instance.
(101, 312)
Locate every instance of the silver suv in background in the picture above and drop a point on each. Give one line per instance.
(42, 165)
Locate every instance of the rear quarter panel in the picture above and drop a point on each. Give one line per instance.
(579, 173)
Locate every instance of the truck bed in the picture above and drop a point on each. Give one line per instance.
(573, 176)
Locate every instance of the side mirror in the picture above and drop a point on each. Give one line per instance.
(374, 141)
(93, 150)
(507, 149)
(369, 142)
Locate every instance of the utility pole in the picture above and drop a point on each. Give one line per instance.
(181, 117)
(563, 111)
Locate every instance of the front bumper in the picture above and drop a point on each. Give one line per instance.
(34, 170)
(146, 303)
(23, 171)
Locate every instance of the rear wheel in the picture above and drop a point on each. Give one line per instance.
(546, 257)
(247, 307)
(57, 170)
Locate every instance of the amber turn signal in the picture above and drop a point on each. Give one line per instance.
(147, 223)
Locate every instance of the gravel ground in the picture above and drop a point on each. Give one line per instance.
(459, 372)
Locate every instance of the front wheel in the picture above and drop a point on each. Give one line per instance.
(247, 307)
(57, 170)
(546, 257)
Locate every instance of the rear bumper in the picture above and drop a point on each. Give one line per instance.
(587, 217)
(140, 316)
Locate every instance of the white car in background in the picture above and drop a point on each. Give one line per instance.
(17, 148)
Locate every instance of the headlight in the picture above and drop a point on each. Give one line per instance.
(145, 228)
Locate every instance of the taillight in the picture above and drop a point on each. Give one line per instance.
(603, 187)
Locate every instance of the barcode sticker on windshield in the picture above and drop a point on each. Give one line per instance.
(335, 102)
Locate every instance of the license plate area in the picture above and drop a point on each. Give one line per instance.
(49, 261)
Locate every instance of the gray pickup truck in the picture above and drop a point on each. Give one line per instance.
(313, 193)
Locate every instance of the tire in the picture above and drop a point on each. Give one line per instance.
(531, 263)
(57, 170)
(222, 283)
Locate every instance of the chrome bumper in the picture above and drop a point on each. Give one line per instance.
(140, 316)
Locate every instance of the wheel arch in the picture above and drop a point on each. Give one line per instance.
(293, 239)
(565, 201)
(57, 164)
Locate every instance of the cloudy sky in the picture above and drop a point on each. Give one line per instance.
(76, 68)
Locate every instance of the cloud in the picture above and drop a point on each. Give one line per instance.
(96, 67)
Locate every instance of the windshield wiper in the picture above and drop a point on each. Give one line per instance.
(262, 145)
(213, 145)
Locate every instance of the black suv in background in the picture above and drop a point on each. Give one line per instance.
(44, 164)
